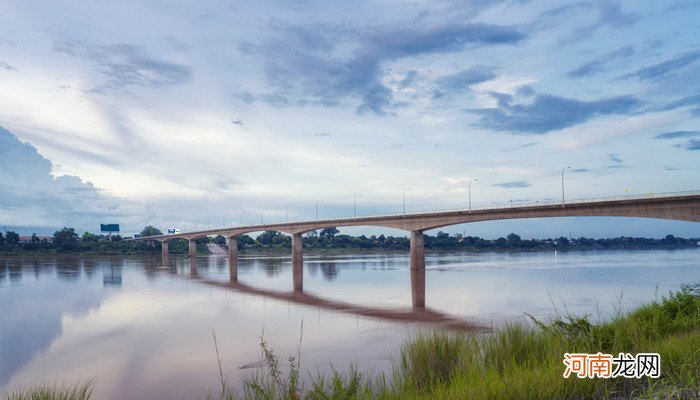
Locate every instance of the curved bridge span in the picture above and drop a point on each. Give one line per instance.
(674, 206)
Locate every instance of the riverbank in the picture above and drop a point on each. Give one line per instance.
(330, 243)
(519, 361)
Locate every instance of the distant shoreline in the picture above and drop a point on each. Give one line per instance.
(336, 251)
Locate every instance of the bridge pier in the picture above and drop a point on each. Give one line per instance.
(417, 250)
(192, 247)
(418, 288)
(164, 248)
(297, 263)
(233, 258)
(193, 266)
(417, 268)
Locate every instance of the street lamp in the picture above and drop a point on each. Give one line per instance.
(403, 198)
(317, 209)
(354, 205)
(469, 189)
(224, 223)
(286, 219)
(242, 212)
(261, 216)
(562, 184)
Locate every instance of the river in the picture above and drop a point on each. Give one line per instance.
(143, 329)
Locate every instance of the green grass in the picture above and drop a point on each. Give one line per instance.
(44, 391)
(519, 361)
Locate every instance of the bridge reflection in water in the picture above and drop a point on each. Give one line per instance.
(417, 313)
(684, 206)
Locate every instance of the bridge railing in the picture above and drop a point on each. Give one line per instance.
(514, 204)
(499, 206)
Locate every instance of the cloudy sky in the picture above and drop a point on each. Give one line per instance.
(189, 114)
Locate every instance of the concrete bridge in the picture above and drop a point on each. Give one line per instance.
(683, 206)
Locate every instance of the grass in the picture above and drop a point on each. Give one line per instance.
(520, 361)
(44, 391)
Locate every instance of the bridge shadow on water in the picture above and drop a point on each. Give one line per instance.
(417, 314)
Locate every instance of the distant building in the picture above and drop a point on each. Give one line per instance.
(28, 239)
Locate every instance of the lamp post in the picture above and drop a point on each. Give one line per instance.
(469, 190)
(403, 200)
(317, 208)
(286, 218)
(562, 184)
(354, 205)
(242, 212)
(261, 216)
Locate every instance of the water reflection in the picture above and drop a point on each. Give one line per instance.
(418, 313)
(14, 270)
(32, 311)
(112, 276)
(68, 269)
(150, 335)
(329, 270)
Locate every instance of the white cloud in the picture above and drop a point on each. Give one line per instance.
(141, 103)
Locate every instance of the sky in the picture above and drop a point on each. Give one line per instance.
(199, 114)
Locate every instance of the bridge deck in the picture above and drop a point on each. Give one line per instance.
(678, 206)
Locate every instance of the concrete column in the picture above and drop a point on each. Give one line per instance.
(297, 263)
(418, 288)
(417, 268)
(417, 250)
(233, 258)
(193, 248)
(164, 248)
(193, 266)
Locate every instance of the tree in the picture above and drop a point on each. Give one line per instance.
(329, 232)
(11, 238)
(2, 239)
(202, 241)
(150, 231)
(89, 238)
(244, 240)
(35, 239)
(220, 240)
(267, 237)
(282, 240)
(513, 239)
(66, 239)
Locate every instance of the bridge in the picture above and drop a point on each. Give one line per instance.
(683, 206)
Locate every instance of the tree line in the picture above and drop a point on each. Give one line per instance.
(67, 240)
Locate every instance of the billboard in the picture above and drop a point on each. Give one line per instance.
(109, 227)
(173, 231)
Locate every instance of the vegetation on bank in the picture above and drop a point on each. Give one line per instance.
(519, 361)
(325, 240)
(77, 391)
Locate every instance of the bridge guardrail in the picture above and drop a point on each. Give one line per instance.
(507, 205)
(498, 206)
